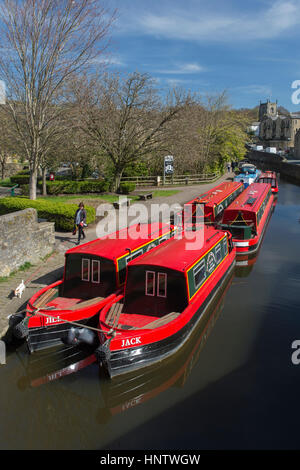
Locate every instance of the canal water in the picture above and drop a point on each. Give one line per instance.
(233, 387)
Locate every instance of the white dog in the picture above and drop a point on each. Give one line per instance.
(19, 290)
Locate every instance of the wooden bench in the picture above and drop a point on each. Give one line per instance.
(44, 298)
(145, 196)
(124, 202)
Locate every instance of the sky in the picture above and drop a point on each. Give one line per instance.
(250, 49)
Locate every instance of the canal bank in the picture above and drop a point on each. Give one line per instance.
(268, 161)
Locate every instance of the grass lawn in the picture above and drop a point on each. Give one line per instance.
(96, 199)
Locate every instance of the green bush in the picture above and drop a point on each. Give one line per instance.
(6, 183)
(126, 188)
(76, 187)
(60, 213)
(20, 179)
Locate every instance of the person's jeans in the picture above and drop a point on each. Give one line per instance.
(80, 232)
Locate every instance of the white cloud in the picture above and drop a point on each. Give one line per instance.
(218, 25)
(108, 60)
(180, 69)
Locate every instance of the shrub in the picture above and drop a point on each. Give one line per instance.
(60, 213)
(126, 188)
(6, 183)
(76, 187)
(19, 179)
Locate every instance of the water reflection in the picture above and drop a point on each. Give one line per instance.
(121, 394)
(245, 263)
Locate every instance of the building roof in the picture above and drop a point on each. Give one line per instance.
(115, 245)
(177, 254)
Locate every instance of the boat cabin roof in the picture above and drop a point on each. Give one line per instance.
(116, 245)
(217, 194)
(268, 174)
(177, 255)
(250, 199)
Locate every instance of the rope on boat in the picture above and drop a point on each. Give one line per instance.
(111, 332)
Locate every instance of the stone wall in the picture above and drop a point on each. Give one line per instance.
(267, 161)
(11, 169)
(23, 239)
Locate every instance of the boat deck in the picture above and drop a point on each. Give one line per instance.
(118, 319)
(50, 299)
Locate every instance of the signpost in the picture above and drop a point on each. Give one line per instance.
(168, 166)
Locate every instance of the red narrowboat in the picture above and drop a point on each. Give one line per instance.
(211, 205)
(49, 366)
(94, 274)
(269, 177)
(247, 217)
(167, 292)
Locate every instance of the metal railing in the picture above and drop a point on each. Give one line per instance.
(169, 180)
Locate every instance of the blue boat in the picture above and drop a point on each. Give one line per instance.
(248, 174)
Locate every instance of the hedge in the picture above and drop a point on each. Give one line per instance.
(126, 188)
(20, 179)
(76, 187)
(60, 213)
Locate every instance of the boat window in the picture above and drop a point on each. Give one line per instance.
(199, 273)
(225, 246)
(133, 256)
(96, 271)
(161, 285)
(85, 269)
(218, 253)
(150, 283)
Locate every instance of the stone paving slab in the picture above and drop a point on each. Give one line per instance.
(50, 270)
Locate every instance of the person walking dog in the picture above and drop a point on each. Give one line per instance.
(80, 221)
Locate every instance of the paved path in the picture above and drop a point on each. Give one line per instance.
(52, 269)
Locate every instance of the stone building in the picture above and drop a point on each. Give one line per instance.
(267, 109)
(277, 130)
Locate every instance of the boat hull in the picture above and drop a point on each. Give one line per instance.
(122, 361)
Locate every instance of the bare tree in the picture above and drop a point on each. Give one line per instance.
(8, 140)
(126, 117)
(43, 43)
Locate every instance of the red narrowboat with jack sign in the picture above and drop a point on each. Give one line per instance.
(167, 292)
(94, 274)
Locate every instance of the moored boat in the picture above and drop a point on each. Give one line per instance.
(248, 174)
(167, 292)
(212, 203)
(247, 217)
(94, 274)
(269, 177)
